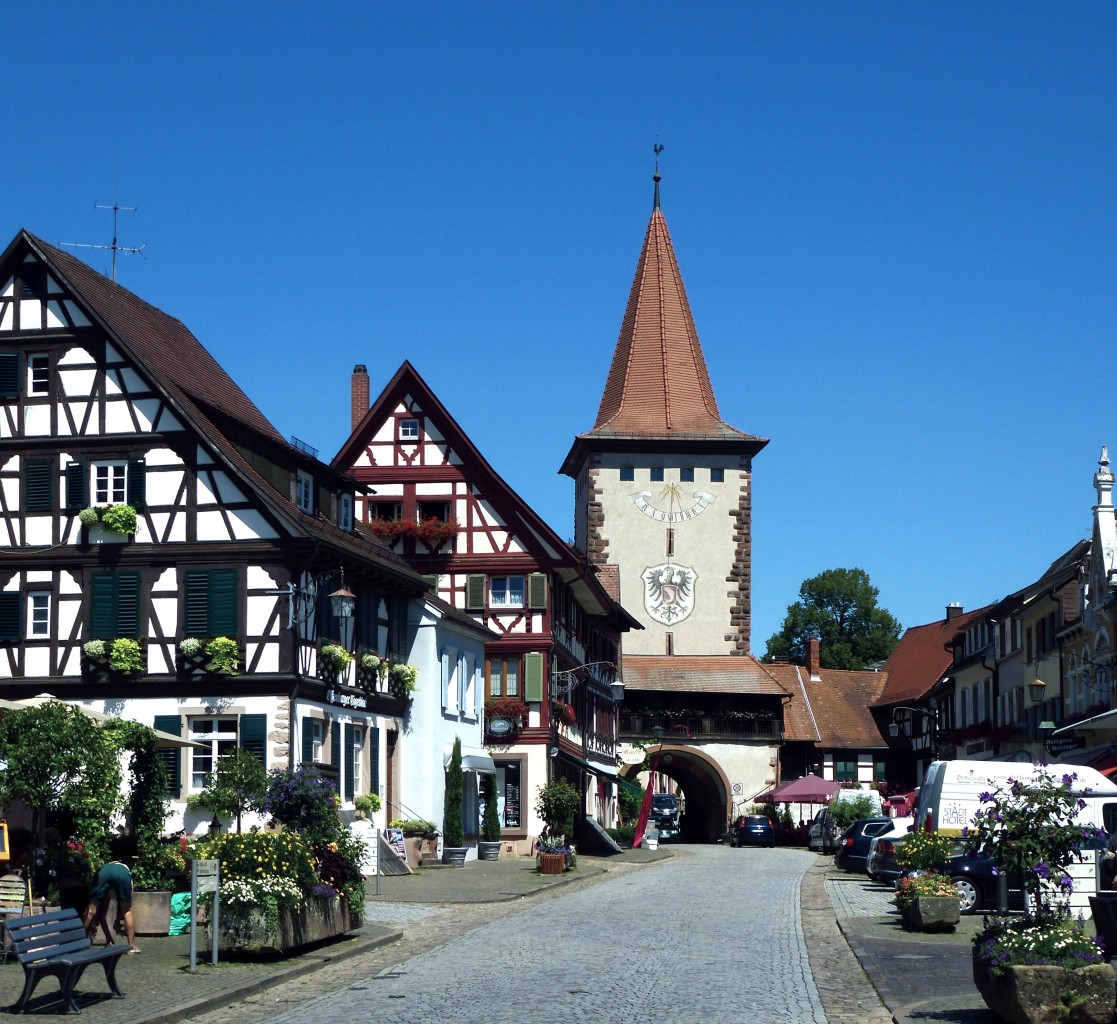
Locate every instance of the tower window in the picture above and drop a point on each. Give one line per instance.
(657, 474)
(686, 474)
(628, 473)
(717, 475)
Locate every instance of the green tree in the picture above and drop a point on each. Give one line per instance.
(839, 606)
(238, 782)
(453, 834)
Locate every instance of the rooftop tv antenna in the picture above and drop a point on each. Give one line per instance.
(130, 249)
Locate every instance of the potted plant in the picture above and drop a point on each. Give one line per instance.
(453, 834)
(489, 846)
(928, 902)
(365, 805)
(405, 677)
(552, 852)
(563, 712)
(1043, 965)
(416, 833)
(334, 658)
(121, 654)
(102, 520)
(224, 656)
(557, 803)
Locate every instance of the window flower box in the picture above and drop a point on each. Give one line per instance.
(121, 657)
(431, 531)
(109, 524)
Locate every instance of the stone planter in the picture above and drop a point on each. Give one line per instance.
(931, 914)
(247, 932)
(1048, 995)
(454, 856)
(414, 847)
(488, 851)
(552, 863)
(151, 912)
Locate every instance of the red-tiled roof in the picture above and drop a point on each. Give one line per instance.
(715, 673)
(833, 710)
(921, 658)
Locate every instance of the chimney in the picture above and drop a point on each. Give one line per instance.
(814, 647)
(359, 391)
(953, 610)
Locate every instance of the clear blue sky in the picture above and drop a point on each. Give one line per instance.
(896, 224)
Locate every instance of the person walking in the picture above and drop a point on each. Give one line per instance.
(113, 878)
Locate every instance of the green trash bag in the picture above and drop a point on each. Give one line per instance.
(180, 913)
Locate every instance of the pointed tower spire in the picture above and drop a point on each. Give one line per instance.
(657, 149)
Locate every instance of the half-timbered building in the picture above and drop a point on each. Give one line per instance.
(165, 554)
(549, 669)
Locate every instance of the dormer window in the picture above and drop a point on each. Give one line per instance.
(345, 512)
(304, 492)
(409, 430)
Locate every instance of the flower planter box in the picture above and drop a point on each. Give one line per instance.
(488, 851)
(931, 914)
(1046, 995)
(151, 912)
(552, 863)
(247, 932)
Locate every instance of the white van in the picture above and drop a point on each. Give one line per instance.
(824, 831)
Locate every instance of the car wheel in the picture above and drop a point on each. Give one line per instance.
(969, 895)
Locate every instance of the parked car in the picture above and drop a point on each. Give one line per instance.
(664, 805)
(823, 833)
(880, 862)
(669, 831)
(753, 830)
(853, 846)
(974, 876)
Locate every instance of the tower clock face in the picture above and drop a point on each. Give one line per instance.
(672, 504)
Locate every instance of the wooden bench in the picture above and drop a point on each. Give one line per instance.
(56, 944)
(15, 901)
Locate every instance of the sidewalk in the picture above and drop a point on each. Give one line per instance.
(159, 988)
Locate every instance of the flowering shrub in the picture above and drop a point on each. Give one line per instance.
(190, 646)
(224, 655)
(335, 657)
(255, 855)
(406, 675)
(373, 662)
(1050, 940)
(430, 531)
(245, 892)
(1030, 830)
(303, 800)
(912, 887)
(118, 518)
(414, 826)
(95, 650)
(507, 707)
(563, 712)
(551, 844)
(924, 851)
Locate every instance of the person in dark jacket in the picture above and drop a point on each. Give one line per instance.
(113, 879)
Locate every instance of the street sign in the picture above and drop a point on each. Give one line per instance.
(206, 875)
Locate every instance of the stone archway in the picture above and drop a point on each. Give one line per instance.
(705, 788)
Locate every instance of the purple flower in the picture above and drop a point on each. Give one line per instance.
(1042, 870)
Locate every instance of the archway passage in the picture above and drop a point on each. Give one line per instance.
(705, 791)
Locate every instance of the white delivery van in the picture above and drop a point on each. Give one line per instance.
(950, 797)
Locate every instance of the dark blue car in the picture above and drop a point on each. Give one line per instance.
(753, 830)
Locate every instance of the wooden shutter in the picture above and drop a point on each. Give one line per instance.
(335, 745)
(102, 605)
(444, 666)
(537, 591)
(11, 615)
(195, 611)
(77, 486)
(127, 603)
(399, 630)
(171, 756)
(308, 740)
(533, 677)
(11, 374)
(374, 759)
(137, 483)
(350, 761)
(253, 736)
(475, 592)
(223, 594)
(38, 489)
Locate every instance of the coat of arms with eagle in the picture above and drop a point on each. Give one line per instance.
(669, 592)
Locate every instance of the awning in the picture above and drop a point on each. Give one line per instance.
(589, 766)
(1105, 722)
(473, 760)
(625, 784)
(1106, 764)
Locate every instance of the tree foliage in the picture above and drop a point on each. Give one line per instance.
(237, 783)
(453, 834)
(839, 606)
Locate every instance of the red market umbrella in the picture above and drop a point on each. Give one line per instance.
(810, 789)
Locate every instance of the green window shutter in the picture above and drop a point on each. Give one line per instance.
(11, 615)
(308, 740)
(171, 756)
(77, 486)
(533, 677)
(195, 613)
(374, 759)
(102, 605)
(223, 594)
(398, 639)
(137, 483)
(537, 591)
(350, 762)
(475, 592)
(335, 745)
(128, 604)
(11, 374)
(38, 485)
(253, 735)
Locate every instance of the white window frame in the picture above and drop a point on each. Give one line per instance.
(409, 429)
(304, 491)
(108, 482)
(215, 735)
(317, 740)
(38, 375)
(358, 756)
(502, 591)
(345, 512)
(38, 615)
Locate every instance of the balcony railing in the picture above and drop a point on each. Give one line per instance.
(704, 726)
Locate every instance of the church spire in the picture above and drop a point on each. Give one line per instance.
(657, 149)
